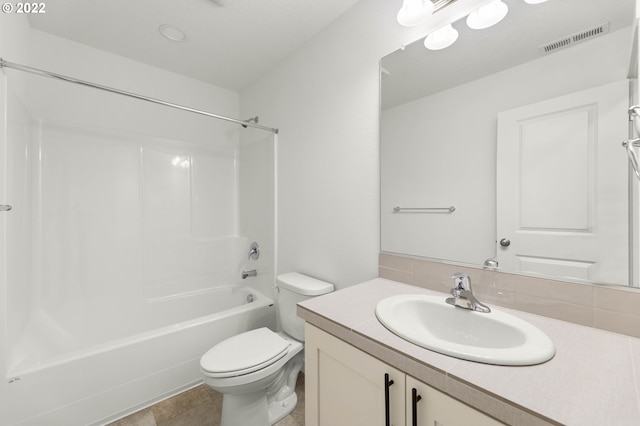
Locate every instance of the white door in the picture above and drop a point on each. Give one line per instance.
(562, 186)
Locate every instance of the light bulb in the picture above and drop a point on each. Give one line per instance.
(487, 15)
(414, 12)
(441, 38)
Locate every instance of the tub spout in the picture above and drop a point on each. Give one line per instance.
(246, 274)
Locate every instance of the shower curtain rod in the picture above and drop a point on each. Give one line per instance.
(43, 73)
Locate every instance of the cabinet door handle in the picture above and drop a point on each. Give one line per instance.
(414, 406)
(387, 414)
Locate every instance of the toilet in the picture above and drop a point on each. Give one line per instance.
(256, 371)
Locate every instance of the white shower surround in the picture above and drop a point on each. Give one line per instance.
(127, 238)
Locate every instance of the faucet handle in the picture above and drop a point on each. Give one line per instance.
(461, 281)
(254, 251)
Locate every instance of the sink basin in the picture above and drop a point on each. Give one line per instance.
(491, 338)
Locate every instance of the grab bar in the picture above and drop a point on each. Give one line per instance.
(399, 209)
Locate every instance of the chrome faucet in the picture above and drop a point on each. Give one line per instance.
(463, 296)
(254, 251)
(247, 274)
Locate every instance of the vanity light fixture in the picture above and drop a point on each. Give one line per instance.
(487, 15)
(414, 12)
(441, 38)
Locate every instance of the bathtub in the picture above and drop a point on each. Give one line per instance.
(95, 384)
(121, 247)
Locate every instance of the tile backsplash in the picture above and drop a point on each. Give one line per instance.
(609, 308)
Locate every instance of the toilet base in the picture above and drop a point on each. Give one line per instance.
(265, 404)
(278, 410)
(249, 409)
(252, 409)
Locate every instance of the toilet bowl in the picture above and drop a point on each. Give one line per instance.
(256, 371)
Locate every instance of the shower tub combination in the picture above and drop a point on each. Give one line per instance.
(85, 386)
(124, 248)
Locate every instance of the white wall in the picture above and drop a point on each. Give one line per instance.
(324, 100)
(257, 205)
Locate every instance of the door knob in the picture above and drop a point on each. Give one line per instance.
(505, 243)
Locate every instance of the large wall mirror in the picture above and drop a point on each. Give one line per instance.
(505, 148)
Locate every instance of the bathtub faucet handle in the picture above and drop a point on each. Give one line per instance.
(251, 273)
(254, 251)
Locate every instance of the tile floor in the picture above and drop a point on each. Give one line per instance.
(200, 406)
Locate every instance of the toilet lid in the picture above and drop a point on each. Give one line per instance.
(244, 353)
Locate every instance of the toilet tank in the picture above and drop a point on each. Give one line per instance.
(292, 289)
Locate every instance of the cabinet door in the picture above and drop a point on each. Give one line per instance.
(434, 408)
(345, 386)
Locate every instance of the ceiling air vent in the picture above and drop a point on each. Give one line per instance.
(575, 38)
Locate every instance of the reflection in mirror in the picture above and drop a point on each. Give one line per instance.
(521, 133)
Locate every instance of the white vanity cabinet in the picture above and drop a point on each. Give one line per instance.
(346, 386)
(435, 408)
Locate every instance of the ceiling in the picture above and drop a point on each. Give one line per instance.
(416, 72)
(229, 43)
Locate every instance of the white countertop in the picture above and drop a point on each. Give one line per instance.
(592, 380)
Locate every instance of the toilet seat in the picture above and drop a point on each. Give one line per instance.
(244, 353)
